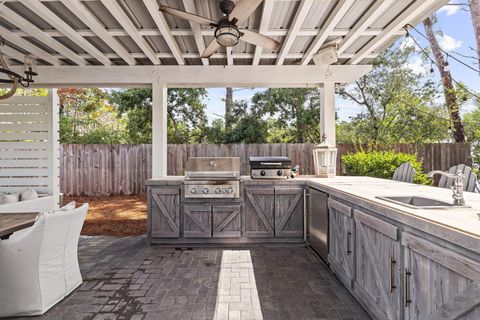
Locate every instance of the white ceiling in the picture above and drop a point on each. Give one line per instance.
(128, 32)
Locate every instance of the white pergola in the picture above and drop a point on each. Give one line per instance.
(130, 43)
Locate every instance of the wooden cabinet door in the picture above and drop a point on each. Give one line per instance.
(197, 221)
(439, 283)
(226, 221)
(341, 239)
(164, 212)
(259, 212)
(289, 212)
(378, 269)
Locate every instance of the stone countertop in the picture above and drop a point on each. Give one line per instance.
(362, 191)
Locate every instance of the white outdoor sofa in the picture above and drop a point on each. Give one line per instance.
(39, 265)
(43, 203)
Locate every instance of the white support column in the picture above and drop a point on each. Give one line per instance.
(159, 129)
(53, 146)
(327, 113)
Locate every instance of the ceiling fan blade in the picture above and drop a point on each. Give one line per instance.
(259, 39)
(210, 49)
(244, 9)
(187, 16)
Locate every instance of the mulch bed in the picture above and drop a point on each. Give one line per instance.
(118, 216)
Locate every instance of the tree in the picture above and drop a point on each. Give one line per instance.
(399, 105)
(185, 110)
(86, 117)
(298, 109)
(447, 82)
(475, 13)
(228, 108)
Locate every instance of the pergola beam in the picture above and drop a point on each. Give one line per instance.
(181, 76)
(30, 30)
(29, 47)
(332, 21)
(298, 20)
(418, 8)
(365, 21)
(12, 53)
(265, 20)
(98, 29)
(162, 25)
(218, 55)
(130, 28)
(196, 30)
(46, 14)
(339, 32)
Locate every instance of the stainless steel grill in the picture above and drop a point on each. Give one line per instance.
(212, 177)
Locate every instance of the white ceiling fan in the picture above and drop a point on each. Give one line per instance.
(227, 34)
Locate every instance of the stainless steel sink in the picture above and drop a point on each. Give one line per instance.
(415, 202)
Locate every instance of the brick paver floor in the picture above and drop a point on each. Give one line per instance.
(125, 278)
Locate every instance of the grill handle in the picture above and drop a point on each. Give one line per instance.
(270, 163)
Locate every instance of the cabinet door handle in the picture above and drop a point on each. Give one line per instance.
(406, 288)
(349, 243)
(393, 262)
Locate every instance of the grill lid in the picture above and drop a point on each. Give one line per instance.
(212, 168)
(270, 162)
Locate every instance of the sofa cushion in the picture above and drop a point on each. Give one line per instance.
(9, 198)
(28, 194)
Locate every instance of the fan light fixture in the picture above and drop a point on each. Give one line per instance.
(227, 34)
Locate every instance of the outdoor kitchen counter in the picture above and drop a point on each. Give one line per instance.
(457, 225)
(166, 181)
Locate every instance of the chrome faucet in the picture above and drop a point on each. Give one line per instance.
(457, 187)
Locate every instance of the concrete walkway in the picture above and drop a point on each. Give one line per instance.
(125, 278)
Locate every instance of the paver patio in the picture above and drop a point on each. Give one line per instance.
(125, 278)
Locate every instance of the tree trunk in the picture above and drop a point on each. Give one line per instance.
(475, 12)
(448, 88)
(228, 108)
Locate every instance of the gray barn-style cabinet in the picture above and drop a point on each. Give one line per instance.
(164, 212)
(439, 283)
(377, 248)
(396, 272)
(274, 212)
(341, 244)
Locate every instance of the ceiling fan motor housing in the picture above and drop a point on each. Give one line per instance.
(227, 34)
(227, 6)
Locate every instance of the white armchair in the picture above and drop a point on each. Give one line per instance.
(39, 265)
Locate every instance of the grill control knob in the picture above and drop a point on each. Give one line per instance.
(224, 190)
(230, 190)
(205, 190)
(218, 190)
(262, 173)
(193, 190)
(279, 172)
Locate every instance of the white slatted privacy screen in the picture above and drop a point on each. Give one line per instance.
(29, 144)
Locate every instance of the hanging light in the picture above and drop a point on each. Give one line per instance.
(432, 71)
(446, 66)
(227, 34)
(13, 78)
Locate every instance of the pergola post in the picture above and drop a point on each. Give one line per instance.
(159, 129)
(53, 147)
(327, 113)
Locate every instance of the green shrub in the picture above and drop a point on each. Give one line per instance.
(381, 164)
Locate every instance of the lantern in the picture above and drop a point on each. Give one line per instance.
(325, 160)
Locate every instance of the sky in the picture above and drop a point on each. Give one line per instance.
(457, 36)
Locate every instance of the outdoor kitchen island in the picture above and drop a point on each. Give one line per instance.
(398, 262)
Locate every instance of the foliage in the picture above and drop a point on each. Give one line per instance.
(86, 117)
(185, 110)
(400, 106)
(296, 110)
(381, 164)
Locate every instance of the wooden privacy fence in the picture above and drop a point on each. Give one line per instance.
(93, 169)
